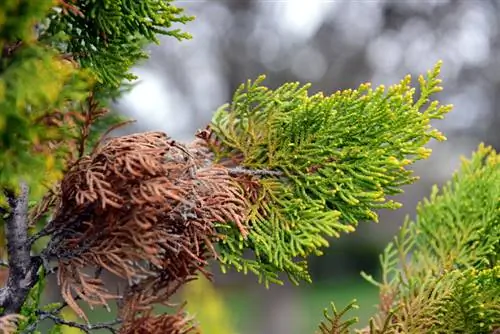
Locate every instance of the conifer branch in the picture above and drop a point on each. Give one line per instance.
(314, 166)
(277, 172)
(23, 269)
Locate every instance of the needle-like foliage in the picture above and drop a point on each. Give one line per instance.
(108, 36)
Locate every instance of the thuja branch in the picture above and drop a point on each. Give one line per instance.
(151, 212)
(335, 167)
(22, 267)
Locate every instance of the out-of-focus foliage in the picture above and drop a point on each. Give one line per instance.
(36, 84)
(339, 155)
(53, 55)
(441, 274)
(206, 304)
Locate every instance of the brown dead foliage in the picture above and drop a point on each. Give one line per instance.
(143, 208)
(4, 275)
(9, 322)
(159, 324)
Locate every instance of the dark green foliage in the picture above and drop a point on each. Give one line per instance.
(108, 36)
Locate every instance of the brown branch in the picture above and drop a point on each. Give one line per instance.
(22, 267)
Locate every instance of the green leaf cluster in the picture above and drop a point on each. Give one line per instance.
(340, 157)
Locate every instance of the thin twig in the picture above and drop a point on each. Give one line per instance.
(42, 233)
(42, 317)
(87, 328)
(254, 172)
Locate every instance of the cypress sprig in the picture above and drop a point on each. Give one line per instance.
(443, 270)
(340, 156)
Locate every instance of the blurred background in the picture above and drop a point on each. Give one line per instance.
(334, 45)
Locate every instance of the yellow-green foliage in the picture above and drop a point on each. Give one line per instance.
(452, 279)
(441, 274)
(340, 156)
(34, 81)
(17, 18)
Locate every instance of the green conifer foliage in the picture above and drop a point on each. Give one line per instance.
(54, 53)
(289, 169)
(339, 157)
(441, 274)
(108, 36)
(35, 82)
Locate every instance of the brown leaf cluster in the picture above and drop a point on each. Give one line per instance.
(177, 323)
(9, 322)
(143, 208)
(68, 7)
